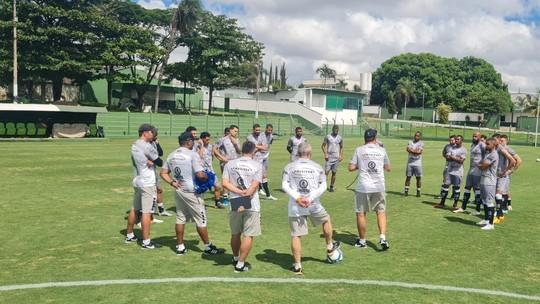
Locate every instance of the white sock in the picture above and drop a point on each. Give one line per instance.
(418, 189)
(298, 265)
(161, 205)
(235, 258)
(363, 241)
(180, 247)
(240, 264)
(382, 236)
(130, 235)
(146, 242)
(207, 246)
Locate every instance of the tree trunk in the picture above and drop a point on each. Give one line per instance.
(184, 100)
(57, 88)
(109, 93)
(211, 91)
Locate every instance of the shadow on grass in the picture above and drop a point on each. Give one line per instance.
(224, 259)
(455, 219)
(283, 260)
(346, 237)
(170, 242)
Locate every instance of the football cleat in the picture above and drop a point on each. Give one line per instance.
(213, 250)
(297, 271)
(130, 240)
(359, 244)
(384, 244)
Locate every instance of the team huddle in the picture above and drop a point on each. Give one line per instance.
(244, 182)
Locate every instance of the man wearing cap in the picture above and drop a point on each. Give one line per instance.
(371, 161)
(180, 170)
(144, 158)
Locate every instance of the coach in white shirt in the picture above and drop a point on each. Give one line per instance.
(371, 161)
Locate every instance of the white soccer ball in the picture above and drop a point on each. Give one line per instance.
(335, 256)
(538, 159)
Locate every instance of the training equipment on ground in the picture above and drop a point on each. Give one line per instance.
(335, 256)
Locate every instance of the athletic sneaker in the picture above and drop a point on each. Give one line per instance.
(359, 244)
(219, 205)
(213, 250)
(156, 221)
(234, 261)
(181, 252)
(164, 213)
(133, 239)
(270, 198)
(336, 245)
(150, 245)
(509, 207)
(297, 271)
(498, 220)
(406, 193)
(331, 189)
(384, 244)
(459, 210)
(261, 192)
(488, 227)
(418, 194)
(482, 223)
(244, 268)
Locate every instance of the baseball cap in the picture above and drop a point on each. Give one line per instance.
(370, 134)
(184, 137)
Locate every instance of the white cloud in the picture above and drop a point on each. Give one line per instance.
(151, 4)
(355, 36)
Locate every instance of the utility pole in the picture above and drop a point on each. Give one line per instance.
(15, 85)
(537, 115)
(258, 89)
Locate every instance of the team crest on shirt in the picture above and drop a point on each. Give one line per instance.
(178, 174)
(372, 167)
(303, 186)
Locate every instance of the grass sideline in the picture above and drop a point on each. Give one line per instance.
(64, 205)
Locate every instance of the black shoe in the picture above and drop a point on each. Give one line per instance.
(335, 245)
(181, 252)
(418, 194)
(234, 261)
(130, 240)
(406, 193)
(359, 244)
(384, 244)
(297, 271)
(213, 250)
(244, 268)
(331, 189)
(150, 245)
(219, 205)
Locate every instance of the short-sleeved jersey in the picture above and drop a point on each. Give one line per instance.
(333, 146)
(259, 140)
(478, 152)
(141, 152)
(415, 159)
(269, 141)
(242, 172)
(183, 163)
(503, 161)
(207, 156)
(489, 176)
(304, 176)
(455, 168)
(370, 160)
(446, 150)
(228, 149)
(293, 144)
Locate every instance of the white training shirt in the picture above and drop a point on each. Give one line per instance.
(293, 143)
(303, 178)
(183, 163)
(259, 140)
(370, 160)
(242, 172)
(333, 146)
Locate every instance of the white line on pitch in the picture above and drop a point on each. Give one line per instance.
(273, 281)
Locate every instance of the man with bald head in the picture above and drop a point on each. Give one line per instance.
(478, 151)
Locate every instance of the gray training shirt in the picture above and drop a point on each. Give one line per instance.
(478, 152)
(333, 145)
(489, 176)
(455, 168)
(415, 159)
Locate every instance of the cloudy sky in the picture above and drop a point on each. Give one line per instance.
(355, 36)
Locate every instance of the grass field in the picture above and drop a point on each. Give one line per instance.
(64, 204)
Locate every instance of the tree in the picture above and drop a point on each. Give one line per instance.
(283, 77)
(405, 90)
(341, 84)
(182, 71)
(527, 104)
(326, 72)
(183, 22)
(217, 49)
(470, 84)
(443, 110)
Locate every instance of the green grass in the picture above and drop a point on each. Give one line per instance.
(64, 205)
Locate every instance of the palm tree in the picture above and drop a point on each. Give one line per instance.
(183, 22)
(527, 104)
(341, 84)
(326, 72)
(405, 89)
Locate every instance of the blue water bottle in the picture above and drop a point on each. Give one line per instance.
(225, 200)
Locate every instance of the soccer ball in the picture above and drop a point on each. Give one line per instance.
(335, 256)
